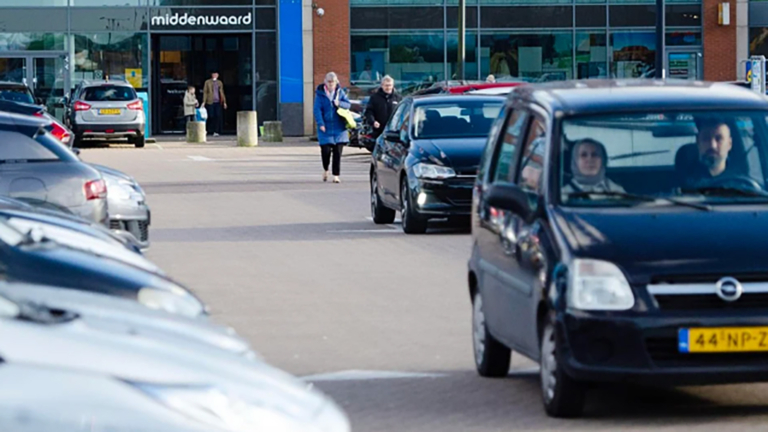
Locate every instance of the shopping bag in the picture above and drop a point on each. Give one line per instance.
(201, 114)
(348, 118)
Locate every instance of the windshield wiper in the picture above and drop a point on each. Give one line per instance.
(636, 197)
(725, 191)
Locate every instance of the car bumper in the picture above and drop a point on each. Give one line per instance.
(644, 349)
(94, 210)
(443, 198)
(135, 221)
(109, 130)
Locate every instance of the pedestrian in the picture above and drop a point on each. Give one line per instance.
(214, 99)
(331, 127)
(490, 79)
(190, 103)
(381, 105)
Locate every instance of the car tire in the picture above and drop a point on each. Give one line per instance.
(138, 141)
(412, 222)
(563, 397)
(380, 213)
(492, 358)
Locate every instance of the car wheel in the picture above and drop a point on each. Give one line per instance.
(491, 356)
(380, 213)
(562, 395)
(138, 141)
(412, 222)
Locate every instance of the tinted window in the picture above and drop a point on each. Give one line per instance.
(17, 94)
(19, 148)
(505, 157)
(396, 117)
(470, 118)
(532, 165)
(490, 146)
(109, 94)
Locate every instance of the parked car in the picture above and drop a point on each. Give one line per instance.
(55, 127)
(61, 367)
(17, 92)
(424, 164)
(461, 87)
(88, 268)
(616, 236)
(128, 210)
(107, 110)
(35, 165)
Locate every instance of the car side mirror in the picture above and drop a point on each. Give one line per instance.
(393, 136)
(509, 197)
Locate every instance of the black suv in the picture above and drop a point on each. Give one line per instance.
(618, 236)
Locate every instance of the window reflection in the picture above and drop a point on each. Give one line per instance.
(527, 57)
(470, 55)
(31, 41)
(110, 54)
(591, 55)
(633, 55)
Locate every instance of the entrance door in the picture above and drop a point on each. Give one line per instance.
(44, 74)
(684, 64)
(183, 60)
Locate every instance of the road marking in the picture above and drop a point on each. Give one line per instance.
(364, 375)
(200, 158)
(158, 146)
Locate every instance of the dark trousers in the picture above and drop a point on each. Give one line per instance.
(334, 149)
(215, 118)
(190, 118)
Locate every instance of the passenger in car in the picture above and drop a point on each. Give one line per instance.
(588, 163)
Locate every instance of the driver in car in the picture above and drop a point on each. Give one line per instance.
(714, 142)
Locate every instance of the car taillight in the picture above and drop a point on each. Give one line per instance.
(57, 130)
(82, 106)
(95, 189)
(135, 106)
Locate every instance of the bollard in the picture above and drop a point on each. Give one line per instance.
(273, 131)
(196, 132)
(247, 129)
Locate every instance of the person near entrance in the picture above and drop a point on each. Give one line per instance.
(381, 106)
(214, 99)
(331, 128)
(190, 103)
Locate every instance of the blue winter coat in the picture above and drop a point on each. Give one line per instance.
(325, 115)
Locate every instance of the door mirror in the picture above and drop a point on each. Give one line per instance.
(509, 197)
(393, 136)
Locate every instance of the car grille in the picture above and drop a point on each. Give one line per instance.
(685, 302)
(139, 229)
(664, 353)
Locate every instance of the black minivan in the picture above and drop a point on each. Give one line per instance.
(618, 233)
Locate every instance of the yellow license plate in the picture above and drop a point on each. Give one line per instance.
(722, 339)
(109, 111)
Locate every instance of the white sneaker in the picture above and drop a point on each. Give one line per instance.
(215, 134)
(336, 179)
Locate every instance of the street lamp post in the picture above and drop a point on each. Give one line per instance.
(462, 40)
(660, 72)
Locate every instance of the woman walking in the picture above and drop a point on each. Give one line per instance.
(331, 128)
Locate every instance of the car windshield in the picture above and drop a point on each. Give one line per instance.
(17, 94)
(460, 119)
(19, 148)
(681, 157)
(109, 94)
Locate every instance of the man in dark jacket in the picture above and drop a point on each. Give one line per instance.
(381, 106)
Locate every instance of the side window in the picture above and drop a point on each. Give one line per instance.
(532, 164)
(504, 161)
(406, 123)
(392, 125)
(490, 145)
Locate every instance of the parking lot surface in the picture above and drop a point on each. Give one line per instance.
(378, 320)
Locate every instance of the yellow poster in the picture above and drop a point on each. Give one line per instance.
(133, 76)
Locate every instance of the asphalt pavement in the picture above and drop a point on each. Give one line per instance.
(378, 320)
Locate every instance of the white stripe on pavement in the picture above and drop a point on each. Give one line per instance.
(200, 158)
(363, 375)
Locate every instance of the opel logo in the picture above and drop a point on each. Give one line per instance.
(728, 289)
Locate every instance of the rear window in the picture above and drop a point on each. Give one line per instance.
(19, 148)
(109, 94)
(467, 118)
(17, 94)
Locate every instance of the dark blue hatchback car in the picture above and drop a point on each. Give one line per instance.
(619, 235)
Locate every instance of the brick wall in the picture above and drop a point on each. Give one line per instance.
(331, 40)
(719, 43)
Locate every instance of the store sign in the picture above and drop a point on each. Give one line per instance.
(202, 19)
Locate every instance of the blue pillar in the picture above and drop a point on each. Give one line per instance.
(290, 34)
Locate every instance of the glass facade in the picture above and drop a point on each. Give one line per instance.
(97, 39)
(416, 41)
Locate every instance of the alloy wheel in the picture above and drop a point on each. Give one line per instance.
(478, 329)
(548, 363)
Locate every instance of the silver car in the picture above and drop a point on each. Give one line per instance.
(61, 368)
(107, 109)
(127, 205)
(35, 166)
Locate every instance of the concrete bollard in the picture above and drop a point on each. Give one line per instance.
(196, 132)
(273, 131)
(247, 129)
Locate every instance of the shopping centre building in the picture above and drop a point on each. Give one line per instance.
(271, 53)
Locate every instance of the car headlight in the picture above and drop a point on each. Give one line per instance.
(176, 302)
(430, 171)
(599, 285)
(216, 408)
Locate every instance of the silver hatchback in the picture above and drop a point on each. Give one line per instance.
(108, 109)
